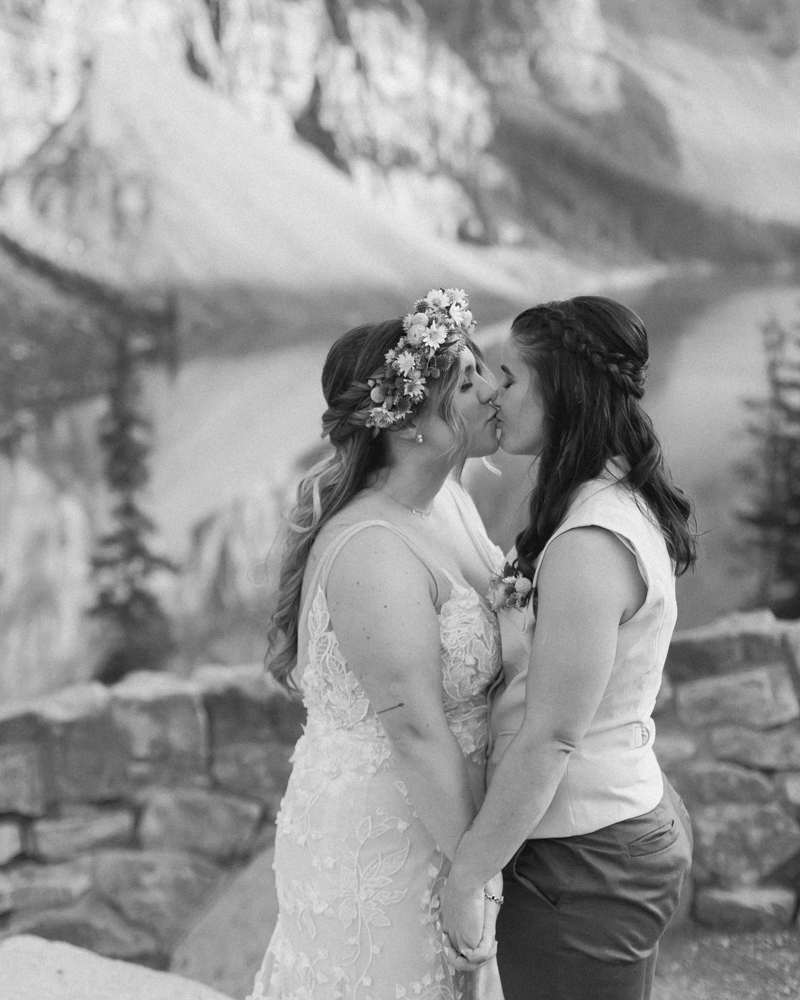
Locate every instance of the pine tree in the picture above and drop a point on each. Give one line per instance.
(123, 562)
(773, 517)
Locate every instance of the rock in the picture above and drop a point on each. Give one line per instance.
(789, 786)
(6, 895)
(257, 770)
(33, 968)
(745, 909)
(246, 705)
(88, 753)
(46, 887)
(163, 719)
(23, 769)
(671, 748)
(93, 925)
(665, 696)
(253, 725)
(683, 912)
(79, 829)
(10, 841)
(778, 750)
(732, 643)
(759, 698)
(705, 782)
(225, 948)
(220, 826)
(737, 844)
(161, 891)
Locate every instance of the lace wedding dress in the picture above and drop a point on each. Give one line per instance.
(357, 873)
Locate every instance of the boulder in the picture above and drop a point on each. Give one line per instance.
(703, 782)
(10, 841)
(24, 776)
(92, 924)
(160, 891)
(665, 696)
(225, 948)
(79, 829)
(211, 823)
(46, 887)
(777, 750)
(6, 895)
(672, 748)
(31, 967)
(163, 719)
(748, 908)
(730, 644)
(246, 705)
(789, 786)
(760, 698)
(89, 755)
(737, 844)
(256, 770)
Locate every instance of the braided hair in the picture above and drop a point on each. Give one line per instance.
(590, 355)
(359, 453)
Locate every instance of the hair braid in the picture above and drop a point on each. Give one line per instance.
(590, 357)
(569, 333)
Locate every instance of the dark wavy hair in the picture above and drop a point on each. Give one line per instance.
(589, 356)
(359, 453)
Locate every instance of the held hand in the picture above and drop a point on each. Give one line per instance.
(469, 919)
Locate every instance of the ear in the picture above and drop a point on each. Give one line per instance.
(406, 433)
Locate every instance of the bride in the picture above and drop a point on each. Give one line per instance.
(381, 623)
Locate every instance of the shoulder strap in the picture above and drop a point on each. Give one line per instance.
(320, 577)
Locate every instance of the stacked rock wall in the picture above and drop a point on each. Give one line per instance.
(728, 736)
(123, 810)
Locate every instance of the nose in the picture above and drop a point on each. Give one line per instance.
(487, 393)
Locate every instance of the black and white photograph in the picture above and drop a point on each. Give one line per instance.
(399, 499)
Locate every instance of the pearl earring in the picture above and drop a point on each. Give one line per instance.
(419, 439)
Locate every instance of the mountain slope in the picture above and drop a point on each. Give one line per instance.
(157, 180)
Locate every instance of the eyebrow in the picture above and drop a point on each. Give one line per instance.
(469, 370)
(506, 370)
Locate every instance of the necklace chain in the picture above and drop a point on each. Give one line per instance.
(414, 510)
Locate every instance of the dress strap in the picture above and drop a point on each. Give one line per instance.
(320, 577)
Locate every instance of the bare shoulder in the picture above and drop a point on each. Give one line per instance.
(376, 560)
(589, 552)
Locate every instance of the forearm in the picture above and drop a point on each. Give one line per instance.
(440, 794)
(522, 787)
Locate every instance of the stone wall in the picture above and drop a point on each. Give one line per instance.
(124, 809)
(728, 736)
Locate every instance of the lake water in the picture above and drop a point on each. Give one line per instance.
(706, 358)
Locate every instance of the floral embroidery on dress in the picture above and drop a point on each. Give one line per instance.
(357, 873)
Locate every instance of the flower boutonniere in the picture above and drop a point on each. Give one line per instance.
(508, 589)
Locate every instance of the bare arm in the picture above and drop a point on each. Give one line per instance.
(589, 582)
(381, 601)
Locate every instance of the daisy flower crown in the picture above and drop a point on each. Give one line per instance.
(434, 335)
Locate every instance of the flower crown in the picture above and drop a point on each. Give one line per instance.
(434, 336)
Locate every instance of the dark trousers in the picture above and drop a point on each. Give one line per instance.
(583, 915)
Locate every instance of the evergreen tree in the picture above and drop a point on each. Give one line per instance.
(773, 516)
(124, 562)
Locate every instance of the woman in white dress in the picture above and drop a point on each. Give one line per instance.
(383, 625)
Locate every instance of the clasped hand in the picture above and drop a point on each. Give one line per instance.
(468, 922)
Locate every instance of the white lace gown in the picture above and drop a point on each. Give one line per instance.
(357, 874)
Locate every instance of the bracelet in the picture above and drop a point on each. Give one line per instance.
(494, 899)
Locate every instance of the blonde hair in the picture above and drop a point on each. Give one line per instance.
(358, 454)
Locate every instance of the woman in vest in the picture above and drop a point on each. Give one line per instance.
(593, 842)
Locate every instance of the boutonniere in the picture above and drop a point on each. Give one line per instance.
(508, 589)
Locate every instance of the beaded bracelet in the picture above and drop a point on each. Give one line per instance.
(494, 899)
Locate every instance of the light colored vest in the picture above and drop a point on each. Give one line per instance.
(613, 773)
